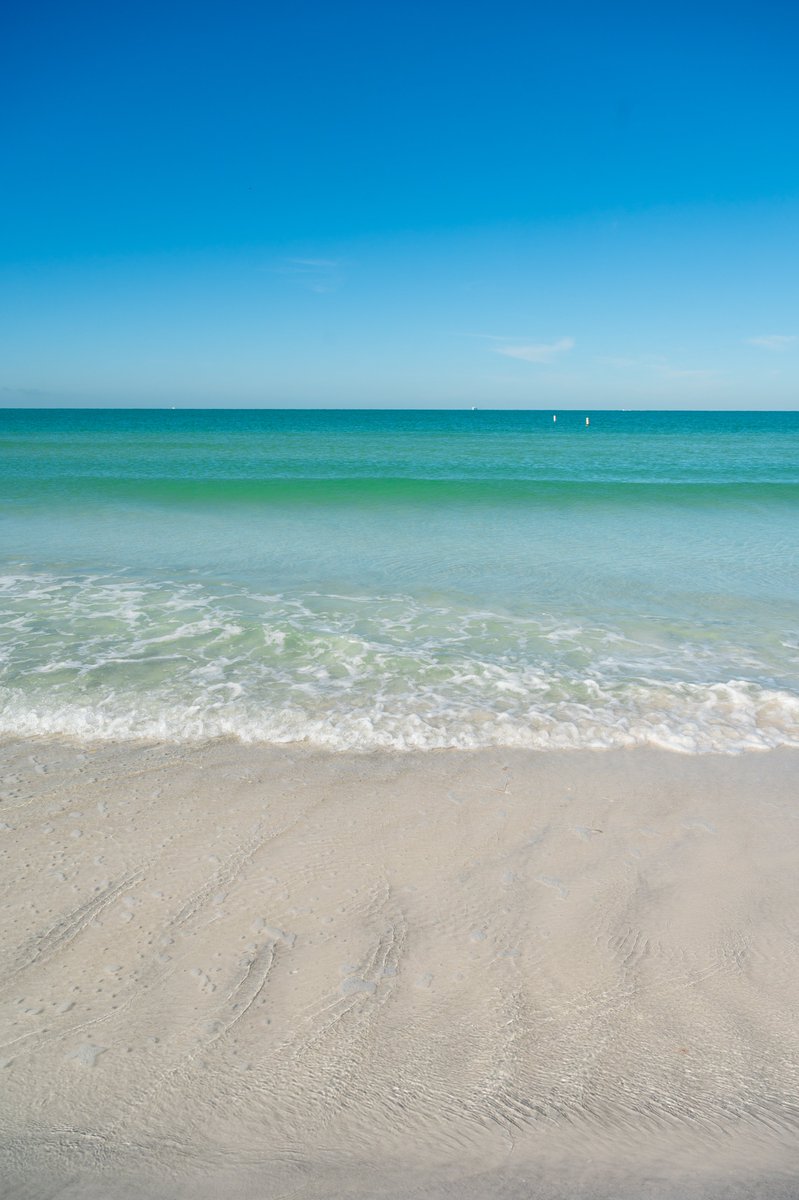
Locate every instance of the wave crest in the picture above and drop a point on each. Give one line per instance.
(109, 657)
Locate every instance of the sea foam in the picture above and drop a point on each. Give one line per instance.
(104, 656)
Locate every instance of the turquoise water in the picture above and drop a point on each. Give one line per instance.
(401, 579)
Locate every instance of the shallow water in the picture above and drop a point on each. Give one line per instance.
(400, 578)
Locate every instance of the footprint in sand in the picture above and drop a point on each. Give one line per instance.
(203, 981)
(704, 826)
(353, 985)
(556, 885)
(87, 1054)
(585, 832)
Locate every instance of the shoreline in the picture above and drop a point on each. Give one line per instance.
(264, 971)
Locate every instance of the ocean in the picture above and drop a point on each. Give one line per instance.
(360, 580)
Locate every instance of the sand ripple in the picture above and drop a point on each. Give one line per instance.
(261, 973)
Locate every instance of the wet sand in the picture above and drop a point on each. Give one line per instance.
(237, 972)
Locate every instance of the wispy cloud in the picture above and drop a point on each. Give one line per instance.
(622, 363)
(689, 372)
(772, 341)
(313, 262)
(314, 274)
(657, 364)
(533, 352)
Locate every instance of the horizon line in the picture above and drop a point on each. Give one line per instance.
(45, 408)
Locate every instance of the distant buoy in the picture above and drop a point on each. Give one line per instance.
(588, 420)
(554, 417)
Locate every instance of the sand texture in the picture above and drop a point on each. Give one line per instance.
(250, 973)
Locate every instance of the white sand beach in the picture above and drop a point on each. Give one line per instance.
(259, 973)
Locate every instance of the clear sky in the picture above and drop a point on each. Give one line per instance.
(428, 204)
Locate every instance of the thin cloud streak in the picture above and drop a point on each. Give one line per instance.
(315, 263)
(772, 341)
(535, 352)
(314, 274)
(690, 372)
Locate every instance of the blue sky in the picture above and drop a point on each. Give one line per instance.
(419, 205)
